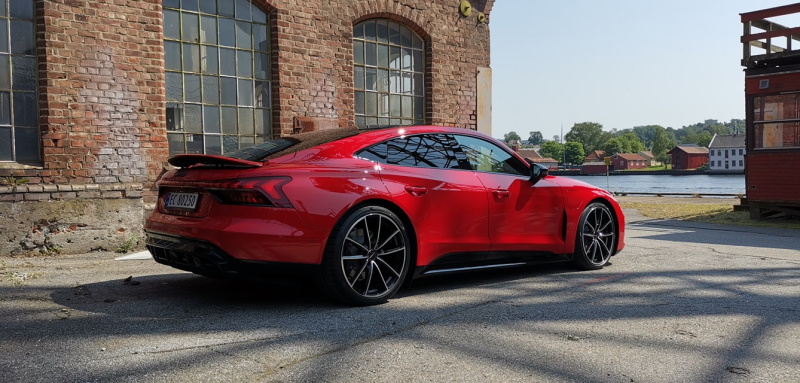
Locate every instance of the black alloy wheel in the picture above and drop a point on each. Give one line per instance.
(367, 258)
(596, 240)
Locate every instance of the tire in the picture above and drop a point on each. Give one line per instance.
(596, 239)
(367, 257)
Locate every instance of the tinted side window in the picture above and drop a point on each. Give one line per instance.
(426, 151)
(485, 156)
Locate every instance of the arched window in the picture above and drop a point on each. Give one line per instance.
(388, 71)
(217, 63)
(19, 123)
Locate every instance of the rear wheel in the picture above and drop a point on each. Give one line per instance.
(596, 239)
(367, 257)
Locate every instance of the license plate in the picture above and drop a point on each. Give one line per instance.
(186, 201)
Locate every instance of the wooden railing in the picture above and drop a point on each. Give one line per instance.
(774, 39)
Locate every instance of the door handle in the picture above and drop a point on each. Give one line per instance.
(416, 190)
(501, 193)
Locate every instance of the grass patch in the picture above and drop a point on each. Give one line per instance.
(721, 213)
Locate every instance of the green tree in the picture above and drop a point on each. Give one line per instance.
(511, 136)
(573, 151)
(630, 143)
(553, 150)
(535, 138)
(705, 139)
(589, 134)
(612, 146)
(662, 142)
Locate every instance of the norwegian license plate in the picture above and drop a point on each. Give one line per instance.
(185, 201)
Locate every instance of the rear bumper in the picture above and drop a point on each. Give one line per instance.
(204, 258)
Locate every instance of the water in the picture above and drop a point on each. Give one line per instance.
(693, 184)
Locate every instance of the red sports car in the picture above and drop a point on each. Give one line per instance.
(365, 210)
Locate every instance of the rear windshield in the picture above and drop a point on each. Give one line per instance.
(291, 144)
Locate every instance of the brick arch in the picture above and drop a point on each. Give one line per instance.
(414, 25)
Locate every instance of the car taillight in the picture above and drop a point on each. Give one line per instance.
(266, 191)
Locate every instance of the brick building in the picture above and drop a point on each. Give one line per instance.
(95, 95)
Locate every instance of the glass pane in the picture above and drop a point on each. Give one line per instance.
(369, 30)
(371, 104)
(358, 52)
(383, 56)
(371, 79)
(227, 62)
(246, 141)
(176, 144)
(211, 89)
(193, 118)
(208, 6)
(258, 15)
(260, 38)
(419, 108)
(383, 31)
(395, 105)
(27, 143)
(263, 119)
(172, 55)
(209, 61)
(5, 144)
(3, 35)
(383, 121)
(23, 70)
(405, 37)
(361, 122)
(190, 27)
(262, 65)
(418, 85)
(194, 143)
(172, 24)
(418, 63)
(229, 118)
(407, 102)
(243, 34)
(25, 112)
(406, 63)
(243, 10)
(262, 94)
(358, 77)
(225, 8)
(174, 86)
(394, 81)
(394, 57)
(370, 54)
(394, 33)
(5, 73)
(383, 104)
(227, 91)
(245, 93)
(191, 57)
(22, 37)
(191, 84)
(244, 63)
(5, 108)
(21, 9)
(171, 3)
(407, 83)
(209, 30)
(211, 119)
(358, 31)
(246, 121)
(227, 32)
(189, 5)
(359, 96)
(2, 7)
(174, 116)
(416, 41)
(383, 80)
(213, 145)
(230, 144)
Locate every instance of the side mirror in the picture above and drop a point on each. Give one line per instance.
(538, 171)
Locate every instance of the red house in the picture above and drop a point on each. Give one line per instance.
(688, 156)
(625, 161)
(595, 156)
(772, 82)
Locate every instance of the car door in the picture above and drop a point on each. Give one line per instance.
(522, 216)
(445, 201)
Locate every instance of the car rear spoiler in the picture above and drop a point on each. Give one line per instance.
(187, 160)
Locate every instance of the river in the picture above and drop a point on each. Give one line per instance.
(693, 184)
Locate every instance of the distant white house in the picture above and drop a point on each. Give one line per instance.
(726, 153)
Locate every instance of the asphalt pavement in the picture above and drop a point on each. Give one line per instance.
(684, 302)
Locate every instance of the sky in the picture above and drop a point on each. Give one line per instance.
(620, 63)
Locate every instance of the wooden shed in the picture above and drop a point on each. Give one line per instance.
(771, 59)
(688, 156)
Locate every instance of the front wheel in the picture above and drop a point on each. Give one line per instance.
(596, 239)
(367, 257)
